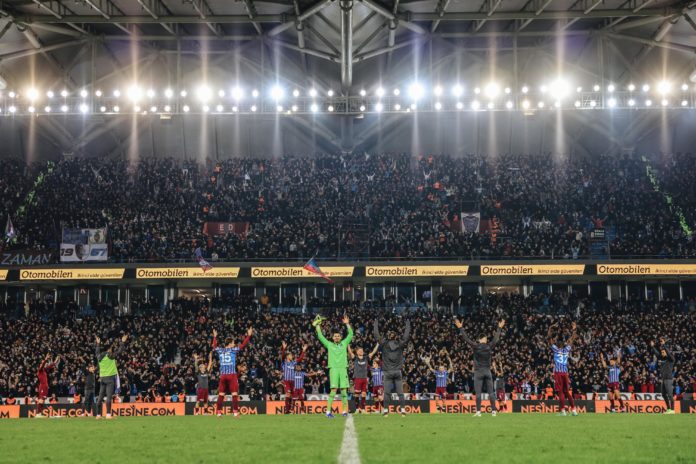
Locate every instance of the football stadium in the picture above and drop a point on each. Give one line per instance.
(348, 231)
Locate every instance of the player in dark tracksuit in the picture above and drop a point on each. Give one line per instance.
(392, 362)
(88, 404)
(482, 364)
(666, 360)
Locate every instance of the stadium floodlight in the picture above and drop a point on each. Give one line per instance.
(596, 87)
(477, 90)
(631, 102)
(237, 93)
(437, 91)
(294, 108)
(186, 108)
(593, 103)
(295, 93)
(397, 92)
(50, 94)
(578, 89)
(331, 108)
(685, 87)
(98, 93)
(235, 109)
(363, 92)
(150, 93)
(413, 106)
(253, 108)
(312, 92)
(277, 93)
(102, 109)
(508, 90)
(255, 93)
(168, 93)
(611, 88)
(557, 104)
(379, 92)
(631, 87)
(32, 94)
(279, 108)
(183, 93)
(116, 93)
(314, 107)
(83, 93)
(31, 109)
(135, 93)
(664, 102)
(153, 109)
(64, 108)
(206, 108)
(559, 89)
(379, 107)
(203, 93)
(12, 94)
(136, 108)
(219, 108)
(645, 88)
(541, 104)
(664, 87)
(684, 103)
(47, 109)
(397, 107)
(525, 89)
(577, 103)
(508, 104)
(526, 104)
(83, 108)
(64, 93)
(611, 102)
(13, 109)
(221, 93)
(116, 109)
(475, 105)
(543, 89)
(491, 105)
(362, 107)
(648, 102)
(416, 91)
(438, 106)
(330, 93)
(457, 90)
(492, 90)
(460, 105)
(167, 108)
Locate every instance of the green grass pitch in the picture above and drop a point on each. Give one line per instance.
(508, 438)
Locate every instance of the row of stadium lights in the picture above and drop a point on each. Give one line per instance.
(557, 91)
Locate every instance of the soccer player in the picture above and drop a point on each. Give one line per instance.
(441, 376)
(108, 371)
(42, 376)
(377, 385)
(666, 361)
(560, 367)
(482, 364)
(614, 376)
(500, 387)
(289, 364)
(338, 363)
(228, 370)
(360, 366)
(392, 362)
(298, 393)
(89, 406)
(203, 381)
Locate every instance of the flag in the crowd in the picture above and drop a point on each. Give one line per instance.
(314, 268)
(10, 231)
(205, 265)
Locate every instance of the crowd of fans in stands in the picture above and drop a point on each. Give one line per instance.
(384, 205)
(158, 357)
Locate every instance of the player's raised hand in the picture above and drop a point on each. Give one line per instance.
(283, 345)
(304, 347)
(652, 343)
(250, 331)
(573, 326)
(501, 323)
(124, 338)
(346, 320)
(458, 323)
(214, 333)
(98, 340)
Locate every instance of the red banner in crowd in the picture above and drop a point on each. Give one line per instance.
(222, 228)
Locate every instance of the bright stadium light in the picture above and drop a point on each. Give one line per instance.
(135, 93)
(631, 102)
(559, 89)
(314, 107)
(116, 109)
(685, 87)
(136, 108)
(664, 102)
(83, 108)
(475, 105)
(32, 94)
(611, 88)
(50, 94)
(460, 105)
(47, 109)
(31, 109)
(492, 90)
(153, 109)
(294, 108)
(437, 91)
(168, 93)
(457, 90)
(63, 108)
(416, 91)
(526, 104)
(183, 93)
(219, 108)
(363, 92)
(664, 87)
(645, 88)
(117, 93)
(541, 104)
(330, 108)
(397, 107)
(397, 92)
(413, 106)
(379, 92)
(557, 104)
(295, 93)
(83, 93)
(438, 106)
(253, 108)
(12, 94)
(312, 92)
(255, 93)
(379, 107)
(221, 93)
(362, 107)
(13, 109)
(98, 93)
(102, 109)
(543, 89)
(578, 89)
(631, 87)
(186, 108)
(596, 87)
(63, 93)
(508, 104)
(684, 103)
(577, 103)
(491, 105)
(206, 108)
(525, 89)
(593, 103)
(648, 102)
(167, 108)
(477, 90)
(611, 102)
(203, 93)
(277, 93)
(235, 109)
(237, 93)
(279, 108)
(330, 93)
(508, 90)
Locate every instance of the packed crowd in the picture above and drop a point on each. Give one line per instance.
(159, 356)
(384, 205)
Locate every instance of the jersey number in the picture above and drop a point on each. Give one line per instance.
(226, 358)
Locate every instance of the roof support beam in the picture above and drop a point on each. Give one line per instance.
(654, 43)
(380, 10)
(492, 6)
(309, 51)
(440, 9)
(346, 45)
(587, 9)
(540, 7)
(287, 21)
(107, 9)
(59, 11)
(42, 49)
(251, 9)
(205, 13)
(157, 8)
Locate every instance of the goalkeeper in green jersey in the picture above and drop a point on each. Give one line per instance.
(338, 363)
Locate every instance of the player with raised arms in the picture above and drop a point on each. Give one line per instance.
(42, 372)
(360, 367)
(560, 367)
(228, 370)
(392, 363)
(666, 361)
(108, 372)
(614, 377)
(203, 381)
(482, 364)
(288, 367)
(338, 363)
(441, 376)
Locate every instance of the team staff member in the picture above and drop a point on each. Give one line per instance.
(666, 360)
(107, 374)
(89, 406)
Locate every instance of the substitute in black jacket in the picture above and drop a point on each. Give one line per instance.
(665, 359)
(392, 362)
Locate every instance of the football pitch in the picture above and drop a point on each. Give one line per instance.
(508, 438)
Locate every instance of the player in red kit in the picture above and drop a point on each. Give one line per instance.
(441, 376)
(614, 377)
(42, 375)
(228, 370)
(360, 368)
(288, 367)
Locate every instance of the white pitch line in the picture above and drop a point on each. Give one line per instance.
(350, 454)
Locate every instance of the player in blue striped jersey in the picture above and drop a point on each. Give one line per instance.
(560, 366)
(377, 385)
(614, 377)
(288, 367)
(228, 370)
(441, 377)
(298, 394)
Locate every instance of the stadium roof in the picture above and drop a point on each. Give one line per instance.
(340, 45)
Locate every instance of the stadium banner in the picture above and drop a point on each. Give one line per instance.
(79, 245)
(26, 258)
(299, 272)
(72, 274)
(462, 407)
(416, 271)
(117, 409)
(687, 406)
(186, 273)
(642, 407)
(222, 228)
(3, 274)
(470, 220)
(537, 406)
(246, 408)
(319, 407)
(646, 269)
(9, 412)
(532, 269)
